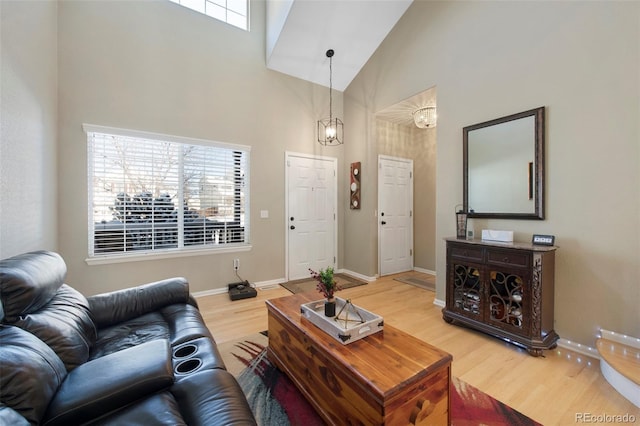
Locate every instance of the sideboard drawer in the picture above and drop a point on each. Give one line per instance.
(508, 257)
(467, 253)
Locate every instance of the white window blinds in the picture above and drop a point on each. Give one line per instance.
(150, 192)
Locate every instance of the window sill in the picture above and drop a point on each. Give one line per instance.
(138, 257)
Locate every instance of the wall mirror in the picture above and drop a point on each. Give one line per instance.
(503, 161)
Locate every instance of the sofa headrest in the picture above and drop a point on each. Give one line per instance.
(65, 325)
(29, 281)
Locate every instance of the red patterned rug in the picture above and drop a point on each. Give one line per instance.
(275, 400)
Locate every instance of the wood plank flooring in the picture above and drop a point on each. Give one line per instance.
(559, 389)
(625, 359)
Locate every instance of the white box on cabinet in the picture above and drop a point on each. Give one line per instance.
(495, 235)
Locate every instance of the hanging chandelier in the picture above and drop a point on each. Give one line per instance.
(330, 130)
(425, 117)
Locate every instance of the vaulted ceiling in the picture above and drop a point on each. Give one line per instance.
(299, 32)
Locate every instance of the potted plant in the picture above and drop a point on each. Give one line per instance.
(327, 286)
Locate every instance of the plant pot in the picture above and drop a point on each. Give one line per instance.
(330, 308)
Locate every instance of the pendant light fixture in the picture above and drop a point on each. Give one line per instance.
(330, 130)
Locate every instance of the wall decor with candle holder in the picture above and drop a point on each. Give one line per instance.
(355, 185)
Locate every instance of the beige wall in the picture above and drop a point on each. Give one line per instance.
(28, 126)
(489, 59)
(156, 67)
(159, 67)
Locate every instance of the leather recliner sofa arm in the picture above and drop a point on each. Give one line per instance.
(122, 305)
(111, 382)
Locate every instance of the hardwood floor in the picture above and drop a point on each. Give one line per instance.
(561, 388)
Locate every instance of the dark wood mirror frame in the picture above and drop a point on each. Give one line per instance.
(538, 168)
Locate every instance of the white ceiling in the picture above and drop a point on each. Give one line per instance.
(402, 112)
(299, 32)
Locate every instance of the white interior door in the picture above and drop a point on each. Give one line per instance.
(395, 215)
(311, 214)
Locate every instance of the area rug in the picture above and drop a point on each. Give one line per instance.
(309, 284)
(427, 284)
(275, 400)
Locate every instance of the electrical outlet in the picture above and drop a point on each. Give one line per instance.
(236, 264)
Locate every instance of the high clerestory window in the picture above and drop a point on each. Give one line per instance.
(151, 193)
(234, 12)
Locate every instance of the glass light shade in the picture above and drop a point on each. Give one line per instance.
(330, 131)
(425, 117)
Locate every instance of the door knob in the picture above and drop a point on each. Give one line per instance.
(292, 227)
(383, 222)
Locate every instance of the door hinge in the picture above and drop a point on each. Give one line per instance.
(410, 175)
(410, 252)
(410, 213)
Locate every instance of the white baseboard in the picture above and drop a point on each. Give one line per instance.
(634, 342)
(439, 302)
(357, 275)
(424, 271)
(593, 352)
(579, 348)
(211, 292)
(264, 285)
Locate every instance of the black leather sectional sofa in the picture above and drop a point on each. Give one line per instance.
(139, 356)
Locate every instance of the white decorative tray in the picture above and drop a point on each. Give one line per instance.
(350, 323)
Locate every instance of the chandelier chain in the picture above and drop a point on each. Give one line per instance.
(330, 87)
(330, 131)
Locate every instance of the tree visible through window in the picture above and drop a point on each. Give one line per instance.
(149, 193)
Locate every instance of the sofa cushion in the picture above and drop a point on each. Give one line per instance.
(65, 325)
(158, 410)
(30, 373)
(106, 384)
(212, 397)
(29, 281)
(185, 323)
(122, 305)
(144, 328)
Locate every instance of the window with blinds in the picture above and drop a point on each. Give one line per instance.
(150, 193)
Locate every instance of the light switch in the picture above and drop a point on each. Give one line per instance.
(264, 214)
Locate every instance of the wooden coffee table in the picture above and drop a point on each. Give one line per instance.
(389, 377)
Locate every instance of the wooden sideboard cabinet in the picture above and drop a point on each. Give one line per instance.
(503, 289)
